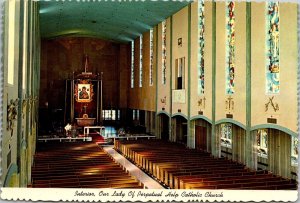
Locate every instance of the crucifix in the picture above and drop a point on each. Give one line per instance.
(86, 65)
(229, 103)
(84, 108)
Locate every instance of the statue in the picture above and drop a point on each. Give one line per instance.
(12, 113)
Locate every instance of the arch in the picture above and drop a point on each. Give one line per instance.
(13, 169)
(227, 120)
(201, 133)
(179, 114)
(163, 112)
(277, 127)
(279, 149)
(179, 127)
(163, 128)
(201, 117)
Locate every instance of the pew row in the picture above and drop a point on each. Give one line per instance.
(78, 165)
(178, 167)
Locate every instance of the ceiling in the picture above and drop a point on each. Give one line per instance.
(118, 21)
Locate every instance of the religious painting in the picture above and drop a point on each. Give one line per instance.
(226, 135)
(262, 143)
(272, 48)
(200, 47)
(294, 152)
(83, 91)
(230, 48)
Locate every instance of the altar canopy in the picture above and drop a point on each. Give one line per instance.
(83, 94)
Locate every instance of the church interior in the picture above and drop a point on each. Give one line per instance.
(193, 94)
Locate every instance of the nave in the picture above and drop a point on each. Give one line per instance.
(194, 75)
(77, 165)
(177, 167)
(87, 165)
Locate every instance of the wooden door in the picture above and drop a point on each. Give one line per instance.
(164, 127)
(201, 138)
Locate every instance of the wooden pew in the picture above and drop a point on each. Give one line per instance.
(180, 168)
(85, 166)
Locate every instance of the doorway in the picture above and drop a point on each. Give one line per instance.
(180, 129)
(201, 138)
(202, 130)
(164, 124)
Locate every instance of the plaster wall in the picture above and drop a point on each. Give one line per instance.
(180, 30)
(144, 97)
(220, 60)
(238, 110)
(207, 109)
(64, 56)
(163, 90)
(287, 99)
(10, 92)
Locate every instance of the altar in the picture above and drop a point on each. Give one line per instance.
(86, 130)
(83, 99)
(65, 139)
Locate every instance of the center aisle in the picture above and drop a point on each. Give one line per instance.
(133, 170)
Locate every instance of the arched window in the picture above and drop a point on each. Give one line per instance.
(226, 135)
(294, 152)
(262, 143)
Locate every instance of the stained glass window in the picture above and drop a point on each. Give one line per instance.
(151, 58)
(226, 135)
(200, 47)
(11, 42)
(262, 143)
(132, 64)
(230, 48)
(164, 52)
(141, 61)
(294, 152)
(272, 44)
